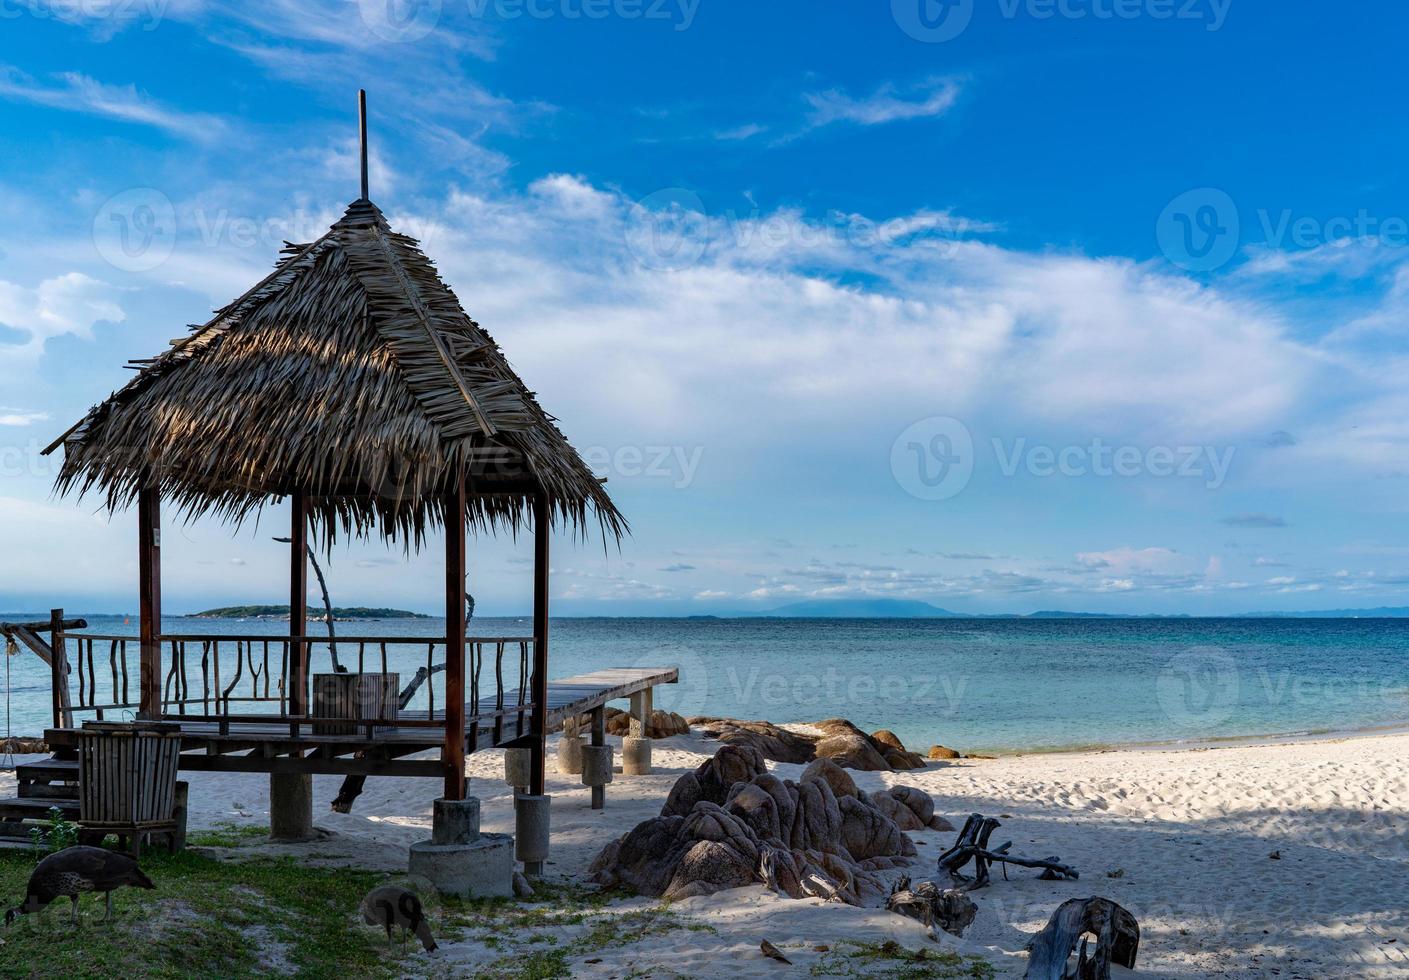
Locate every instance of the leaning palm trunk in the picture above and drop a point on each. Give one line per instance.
(327, 606)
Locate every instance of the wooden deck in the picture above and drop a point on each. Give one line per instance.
(246, 746)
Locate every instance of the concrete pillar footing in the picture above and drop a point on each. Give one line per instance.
(635, 756)
(532, 818)
(290, 807)
(482, 869)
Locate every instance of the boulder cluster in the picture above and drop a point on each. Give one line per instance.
(836, 739)
(663, 724)
(731, 823)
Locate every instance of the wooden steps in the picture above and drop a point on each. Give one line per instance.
(41, 786)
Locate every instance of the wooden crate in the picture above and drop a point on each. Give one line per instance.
(127, 774)
(351, 696)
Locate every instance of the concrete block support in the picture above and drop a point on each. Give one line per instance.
(484, 869)
(290, 806)
(458, 859)
(570, 755)
(518, 768)
(531, 825)
(635, 756)
(455, 821)
(597, 772)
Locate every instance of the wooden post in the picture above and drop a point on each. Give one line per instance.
(542, 528)
(149, 598)
(58, 669)
(298, 603)
(599, 738)
(452, 754)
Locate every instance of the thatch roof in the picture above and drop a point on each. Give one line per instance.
(350, 373)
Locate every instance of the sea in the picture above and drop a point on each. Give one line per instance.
(976, 685)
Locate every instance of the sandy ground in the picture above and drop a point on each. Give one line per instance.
(1182, 838)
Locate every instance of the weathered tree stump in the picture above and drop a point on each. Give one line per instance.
(1117, 941)
(949, 908)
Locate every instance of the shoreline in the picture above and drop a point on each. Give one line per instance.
(1203, 743)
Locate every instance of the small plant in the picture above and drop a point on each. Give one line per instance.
(890, 959)
(61, 833)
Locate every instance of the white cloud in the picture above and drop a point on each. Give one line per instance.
(20, 417)
(66, 304)
(75, 92)
(802, 315)
(885, 105)
(1123, 560)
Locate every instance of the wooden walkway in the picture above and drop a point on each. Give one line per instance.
(247, 746)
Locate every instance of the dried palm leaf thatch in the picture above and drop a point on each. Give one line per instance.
(352, 374)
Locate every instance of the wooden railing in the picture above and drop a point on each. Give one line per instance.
(239, 678)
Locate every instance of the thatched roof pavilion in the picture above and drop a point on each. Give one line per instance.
(350, 374)
(351, 382)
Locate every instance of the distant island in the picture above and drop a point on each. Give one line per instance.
(917, 609)
(282, 612)
(862, 609)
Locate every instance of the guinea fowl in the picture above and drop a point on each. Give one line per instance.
(74, 870)
(391, 905)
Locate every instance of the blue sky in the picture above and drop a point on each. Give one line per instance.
(1009, 305)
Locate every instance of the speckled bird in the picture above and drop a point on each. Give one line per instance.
(391, 905)
(75, 870)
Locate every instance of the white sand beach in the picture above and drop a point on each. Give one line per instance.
(1182, 838)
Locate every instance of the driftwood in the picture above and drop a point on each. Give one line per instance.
(949, 908)
(1117, 940)
(353, 785)
(972, 845)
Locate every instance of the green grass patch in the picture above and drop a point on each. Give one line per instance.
(257, 917)
(890, 959)
(207, 917)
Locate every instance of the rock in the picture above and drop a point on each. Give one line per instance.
(775, 743)
(841, 742)
(713, 778)
(867, 832)
(887, 739)
(940, 752)
(910, 808)
(832, 774)
(522, 887)
(663, 724)
(731, 823)
(894, 751)
(939, 823)
(848, 746)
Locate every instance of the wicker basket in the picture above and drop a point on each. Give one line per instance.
(127, 775)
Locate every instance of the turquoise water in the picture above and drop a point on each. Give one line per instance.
(976, 685)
